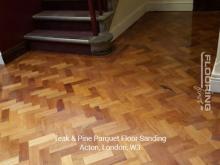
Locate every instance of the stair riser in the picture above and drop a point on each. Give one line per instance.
(67, 5)
(63, 25)
(60, 47)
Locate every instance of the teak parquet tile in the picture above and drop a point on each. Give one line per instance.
(145, 87)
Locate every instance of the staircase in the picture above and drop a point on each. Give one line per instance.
(79, 26)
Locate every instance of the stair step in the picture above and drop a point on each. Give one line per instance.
(68, 15)
(77, 37)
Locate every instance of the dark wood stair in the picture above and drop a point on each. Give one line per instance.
(60, 36)
(69, 20)
(69, 15)
(73, 28)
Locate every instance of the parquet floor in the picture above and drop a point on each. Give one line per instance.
(145, 87)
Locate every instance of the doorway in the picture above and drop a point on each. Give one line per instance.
(206, 5)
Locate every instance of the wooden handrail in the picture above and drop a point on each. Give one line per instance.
(102, 6)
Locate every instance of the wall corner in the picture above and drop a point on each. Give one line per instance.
(1, 59)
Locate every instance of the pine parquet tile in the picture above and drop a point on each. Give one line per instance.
(145, 87)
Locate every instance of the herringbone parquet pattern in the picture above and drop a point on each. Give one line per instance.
(144, 88)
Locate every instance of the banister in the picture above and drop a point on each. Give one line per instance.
(102, 6)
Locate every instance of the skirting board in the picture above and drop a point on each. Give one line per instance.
(14, 52)
(118, 29)
(215, 78)
(170, 5)
(1, 59)
(215, 85)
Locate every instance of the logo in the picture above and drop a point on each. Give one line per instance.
(204, 93)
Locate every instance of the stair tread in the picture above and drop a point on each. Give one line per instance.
(68, 15)
(60, 36)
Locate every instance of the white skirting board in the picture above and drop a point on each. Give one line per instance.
(170, 5)
(1, 59)
(150, 5)
(215, 78)
(215, 85)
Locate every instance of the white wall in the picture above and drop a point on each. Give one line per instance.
(129, 11)
(1, 59)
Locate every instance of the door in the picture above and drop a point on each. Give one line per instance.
(203, 5)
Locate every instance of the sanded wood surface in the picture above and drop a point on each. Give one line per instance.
(145, 87)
